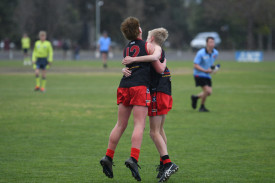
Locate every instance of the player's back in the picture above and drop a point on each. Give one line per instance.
(161, 82)
(140, 71)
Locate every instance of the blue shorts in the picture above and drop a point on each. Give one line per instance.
(41, 63)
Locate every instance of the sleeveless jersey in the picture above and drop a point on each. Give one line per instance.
(140, 71)
(161, 82)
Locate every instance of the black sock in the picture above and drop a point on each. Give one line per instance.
(202, 105)
(134, 160)
(166, 157)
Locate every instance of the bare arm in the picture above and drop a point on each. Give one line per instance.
(159, 67)
(198, 67)
(148, 58)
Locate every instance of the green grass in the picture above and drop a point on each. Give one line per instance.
(61, 135)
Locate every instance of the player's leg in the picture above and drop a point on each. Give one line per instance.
(207, 91)
(26, 57)
(106, 162)
(124, 113)
(162, 132)
(43, 81)
(155, 133)
(37, 79)
(139, 114)
(104, 59)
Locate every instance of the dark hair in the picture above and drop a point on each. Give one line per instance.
(209, 37)
(130, 28)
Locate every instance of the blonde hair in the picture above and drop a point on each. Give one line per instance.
(130, 28)
(42, 33)
(160, 35)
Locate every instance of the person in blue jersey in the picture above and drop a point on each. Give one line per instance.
(203, 64)
(104, 46)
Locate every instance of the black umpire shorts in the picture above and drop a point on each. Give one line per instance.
(201, 81)
(41, 63)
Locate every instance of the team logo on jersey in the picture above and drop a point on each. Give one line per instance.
(154, 99)
(205, 57)
(154, 110)
(148, 102)
(147, 91)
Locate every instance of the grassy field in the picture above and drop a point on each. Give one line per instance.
(60, 135)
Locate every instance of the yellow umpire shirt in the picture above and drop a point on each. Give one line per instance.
(42, 50)
(26, 42)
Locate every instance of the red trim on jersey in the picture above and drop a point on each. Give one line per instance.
(146, 49)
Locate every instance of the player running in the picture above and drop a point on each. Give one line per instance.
(132, 95)
(161, 103)
(42, 58)
(26, 44)
(203, 62)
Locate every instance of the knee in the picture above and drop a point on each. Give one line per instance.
(153, 134)
(209, 92)
(122, 126)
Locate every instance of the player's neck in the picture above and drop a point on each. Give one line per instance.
(209, 50)
(155, 44)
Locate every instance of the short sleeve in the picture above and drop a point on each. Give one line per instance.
(197, 59)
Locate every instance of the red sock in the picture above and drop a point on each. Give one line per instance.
(135, 153)
(110, 153)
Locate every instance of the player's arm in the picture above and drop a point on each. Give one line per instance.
(50, 56)
(126, 72)
(155, 54)
(159, 67)
(34, 54)
(197, 61)
(198, 67)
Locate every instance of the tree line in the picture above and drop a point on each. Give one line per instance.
(242, 24)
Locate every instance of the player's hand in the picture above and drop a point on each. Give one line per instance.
(127, 60)
(48, 65)
(209, 71)
(126, 72)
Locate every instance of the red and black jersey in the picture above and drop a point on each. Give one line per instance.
(140, 70)
(161, 82)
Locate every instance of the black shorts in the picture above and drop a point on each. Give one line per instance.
(104, 52)
(25, 50)
(201, 81)
(41, 63)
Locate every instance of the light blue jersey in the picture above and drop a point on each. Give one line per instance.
(205, 60)
(104, 43)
